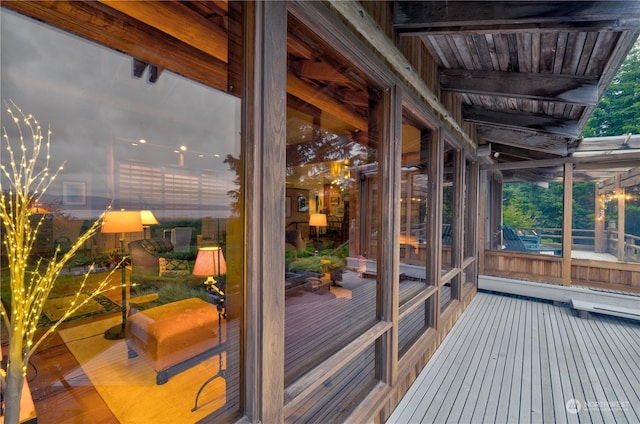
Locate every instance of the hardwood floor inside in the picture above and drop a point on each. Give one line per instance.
(61, 391)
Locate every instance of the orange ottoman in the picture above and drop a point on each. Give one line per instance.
(175, 336)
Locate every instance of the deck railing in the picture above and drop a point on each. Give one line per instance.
(584, 239)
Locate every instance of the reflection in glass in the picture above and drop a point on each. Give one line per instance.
(532, 217)
(332, 173)
(470, 205)
(450, 215)
(172, 148)
(414, 206)
(414, 232)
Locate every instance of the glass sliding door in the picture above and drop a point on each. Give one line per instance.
(331, 212)
(145, 140)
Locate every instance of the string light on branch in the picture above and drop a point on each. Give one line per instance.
(27, 178)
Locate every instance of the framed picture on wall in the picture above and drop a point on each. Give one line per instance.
(74, 193)
(303, 203)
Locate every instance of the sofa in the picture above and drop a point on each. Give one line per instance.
(154, 263)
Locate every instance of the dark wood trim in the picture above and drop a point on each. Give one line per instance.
(265, 217)
(573, 89)
(434, 219)
(323, 21)
(297, 392)
(457, 213)
(471, 225)
(99, 23)
(370, 404)
(417, 301)
(390, 219)
(403, 73)
(178, 21)
(446, 17)
(311, 95)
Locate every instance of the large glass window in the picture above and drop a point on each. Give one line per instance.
(532, 215)
(414, 197)
(451, 220)
(331, 203)
(133, 137)
(414, 233)
(470, 211)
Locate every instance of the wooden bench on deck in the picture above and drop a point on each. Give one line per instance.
(585, 308)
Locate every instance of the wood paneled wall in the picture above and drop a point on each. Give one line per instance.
(517, 265)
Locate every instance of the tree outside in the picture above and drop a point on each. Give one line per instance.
(618, 112)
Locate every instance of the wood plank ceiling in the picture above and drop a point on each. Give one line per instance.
(529, 73)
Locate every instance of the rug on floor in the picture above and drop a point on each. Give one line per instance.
(55, 308)
(128, 386)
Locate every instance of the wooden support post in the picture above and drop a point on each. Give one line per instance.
(265, 110)
(620, 194)
(566, 224)
(599, 239)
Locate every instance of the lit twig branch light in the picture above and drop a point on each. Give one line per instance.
(28, 178)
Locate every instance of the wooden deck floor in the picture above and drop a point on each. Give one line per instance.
(513, 360)
(593, 256)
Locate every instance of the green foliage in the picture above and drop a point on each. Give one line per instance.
(517, 218)
(632, 218)
(172, 293)
(518, 210)
(584, 204)
(529, 206)
(619, 109)
(320, 264)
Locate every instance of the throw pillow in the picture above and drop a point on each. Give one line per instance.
(157, 245)
(173, 267)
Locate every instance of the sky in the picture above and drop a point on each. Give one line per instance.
(89, 97)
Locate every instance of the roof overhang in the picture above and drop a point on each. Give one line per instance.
(529, 74)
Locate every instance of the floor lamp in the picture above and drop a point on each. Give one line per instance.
(121, 222)
(318, 220)
(209, 263)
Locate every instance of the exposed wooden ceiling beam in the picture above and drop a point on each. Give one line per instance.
(599, 162)
(519, 120)
(630, 141)
(533, 176)
(447, 17)
(101, 24)
(178, 21)
(630, 178)
(572, 89)
(312, 95)
(319, 71)
(523, 139)
(518, 152)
